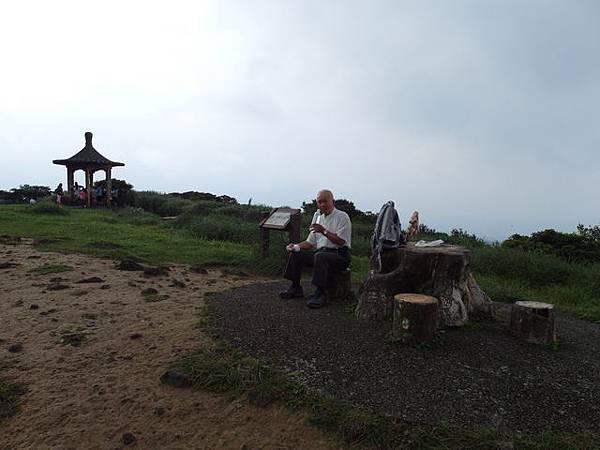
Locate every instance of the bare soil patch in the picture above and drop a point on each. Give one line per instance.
(92, 358)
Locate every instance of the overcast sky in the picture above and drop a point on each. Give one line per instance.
(480, 114)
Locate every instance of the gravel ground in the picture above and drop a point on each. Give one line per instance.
(478, 374)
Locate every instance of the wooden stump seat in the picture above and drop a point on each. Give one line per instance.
(415, 317)
(339, 285)
(533, 322)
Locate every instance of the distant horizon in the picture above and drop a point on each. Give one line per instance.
(404, 215)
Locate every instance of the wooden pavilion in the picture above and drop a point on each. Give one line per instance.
(89, 160)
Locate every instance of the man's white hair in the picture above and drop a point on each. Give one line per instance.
(326, 192)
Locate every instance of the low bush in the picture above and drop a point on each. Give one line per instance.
(161, 204)
(535, 268)
(49, 206)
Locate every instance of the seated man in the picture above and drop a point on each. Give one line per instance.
(326, 248)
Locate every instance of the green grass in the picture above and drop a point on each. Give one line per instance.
(47, 269)
(145, 236)
(224, 369)
(508, 275)
(9, 398)
(81, 228)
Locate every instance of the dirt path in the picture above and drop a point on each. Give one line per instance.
(88, 396)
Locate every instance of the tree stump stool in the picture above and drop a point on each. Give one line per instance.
(533, 322)
(339, 285)
(443, 272)
(415, 317)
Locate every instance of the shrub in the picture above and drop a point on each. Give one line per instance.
(162, 204)
(48, 206)
(219, 228)
(535, 268)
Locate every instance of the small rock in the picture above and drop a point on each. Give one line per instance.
(7, 265)
(156, 271)
(79, 292)
(197, 268)
(33, 306)
(89, 316)
(129, 264)
(128, 438)
(159, 411)
(57, 287)
(105, 286)
(17, 303)
(177, 283)
(135, 336)
(149, 291)
(57, 279)
(15, 348)
(176, 379)
(91, 280)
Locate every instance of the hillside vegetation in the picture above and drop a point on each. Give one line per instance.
(560, 268)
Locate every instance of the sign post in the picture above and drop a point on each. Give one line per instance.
(280, 219)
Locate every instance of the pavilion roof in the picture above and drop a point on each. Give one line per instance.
(88, 155)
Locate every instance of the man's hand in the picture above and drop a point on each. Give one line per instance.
(317, 228)
(289, 247)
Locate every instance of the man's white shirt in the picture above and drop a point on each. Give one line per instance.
(337, 222)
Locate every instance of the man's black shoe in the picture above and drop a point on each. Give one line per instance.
(317, 301)
(292, 292)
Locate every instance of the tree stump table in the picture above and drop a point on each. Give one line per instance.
(533, 322)
(415, 317)
(443, 272)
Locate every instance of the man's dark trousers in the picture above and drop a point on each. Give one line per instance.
(323, 261)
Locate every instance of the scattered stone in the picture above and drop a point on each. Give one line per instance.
(17, 303)
(57, 287)
(135, 336)
(176, 379)
(149, 291)
(73, 339)
(33, 306)
(131, 283)
(156, 271)
(33, 257)
(129, 264)
(79, 292)
(57, 279)
(91, 280)
(7, 265)
(15, 348)
(50, 311)
(105, 286)
(128, 438)
(89, 316)
(159, 411)
(197, 268)
(177, 283)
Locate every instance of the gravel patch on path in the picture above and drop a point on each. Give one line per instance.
(478, 374)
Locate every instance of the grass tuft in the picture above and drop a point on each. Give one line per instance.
(9, 398)
(47, 269)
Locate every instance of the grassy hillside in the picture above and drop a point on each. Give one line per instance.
(228, 235)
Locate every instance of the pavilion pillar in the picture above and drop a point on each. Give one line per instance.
(91, 187)
(108, 187)
(88, 186)
(70, 181)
